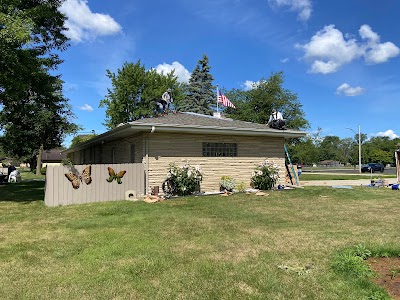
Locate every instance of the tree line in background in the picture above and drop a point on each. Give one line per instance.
(134, 91)
(315, 149)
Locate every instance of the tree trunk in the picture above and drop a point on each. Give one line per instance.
(39, 160)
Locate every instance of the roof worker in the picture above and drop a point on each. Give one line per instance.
(164, 102)
(276, 120)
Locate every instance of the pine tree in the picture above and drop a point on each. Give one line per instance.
(201, 91)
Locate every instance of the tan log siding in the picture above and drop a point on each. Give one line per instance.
(178, 148)
(102, 153)
(166, 148)
(123, 150)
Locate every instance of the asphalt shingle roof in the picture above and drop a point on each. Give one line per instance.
(198, 120)
(193, 123)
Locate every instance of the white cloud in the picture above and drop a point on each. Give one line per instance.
(249, 85)
(389, 133)
(346, 90)
(86, 107)
(366, 33)
(83, 24)
(320, 66)
(328, 50)
(376, 52)
(302, 7)
(284, 60)
(180, 71)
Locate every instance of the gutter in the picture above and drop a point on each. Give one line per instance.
(232, 131)
(128, 128)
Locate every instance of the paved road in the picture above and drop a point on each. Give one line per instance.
(358, 182)
(388, 171)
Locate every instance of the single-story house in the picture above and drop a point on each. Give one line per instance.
(330, 163)
(220, 146)
(53, 157)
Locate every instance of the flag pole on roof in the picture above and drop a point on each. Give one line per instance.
(224, 100)
(217, 98)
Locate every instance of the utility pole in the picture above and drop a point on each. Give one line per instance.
(359, 148)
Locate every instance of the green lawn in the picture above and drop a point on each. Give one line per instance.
(26, 174)
(206, 247)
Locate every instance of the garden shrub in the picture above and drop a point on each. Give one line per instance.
(186, 178)
(265, 176)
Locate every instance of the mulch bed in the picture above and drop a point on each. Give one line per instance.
(388, 274)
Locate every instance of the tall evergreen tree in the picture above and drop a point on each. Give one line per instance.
(201, 94)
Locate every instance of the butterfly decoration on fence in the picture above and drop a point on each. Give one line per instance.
(76, 179)
(114, 176)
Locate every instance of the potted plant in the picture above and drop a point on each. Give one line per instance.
(227, 183)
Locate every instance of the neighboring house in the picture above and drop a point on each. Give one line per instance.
(52, 157)
(220, 146)
(330, 163)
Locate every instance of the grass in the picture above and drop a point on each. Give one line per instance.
(207, 247)
(26, 174)
(308, 176)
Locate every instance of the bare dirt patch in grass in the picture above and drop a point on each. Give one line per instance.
(388, 272)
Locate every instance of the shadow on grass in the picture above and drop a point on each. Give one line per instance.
(25, 191)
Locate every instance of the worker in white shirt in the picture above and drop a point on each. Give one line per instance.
(163, 104)
(276, 120)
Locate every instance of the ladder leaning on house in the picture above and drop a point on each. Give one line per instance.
(290, 163)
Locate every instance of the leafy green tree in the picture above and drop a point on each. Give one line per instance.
(34, 114)
(329, 148)
(135, 91)
(379, 155)
(30, 31)
(303, 151)
(348, 150)
(41, 120)
(380, 149)
(256, 104)
(201, 96)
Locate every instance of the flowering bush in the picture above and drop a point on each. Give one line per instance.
(186, 178)
(265, 176)
(227, 183)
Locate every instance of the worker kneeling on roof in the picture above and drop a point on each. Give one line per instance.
(276, 120)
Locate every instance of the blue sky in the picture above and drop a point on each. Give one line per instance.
(342, 58)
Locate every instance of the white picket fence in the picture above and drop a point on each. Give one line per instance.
(59, 190)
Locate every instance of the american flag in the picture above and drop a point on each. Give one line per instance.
(225, 101)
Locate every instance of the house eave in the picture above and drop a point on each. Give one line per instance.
(137, 127)
(228, 131)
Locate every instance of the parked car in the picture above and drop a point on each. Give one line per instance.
(372, 167)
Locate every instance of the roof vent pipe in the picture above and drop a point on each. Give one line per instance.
(217, 114)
